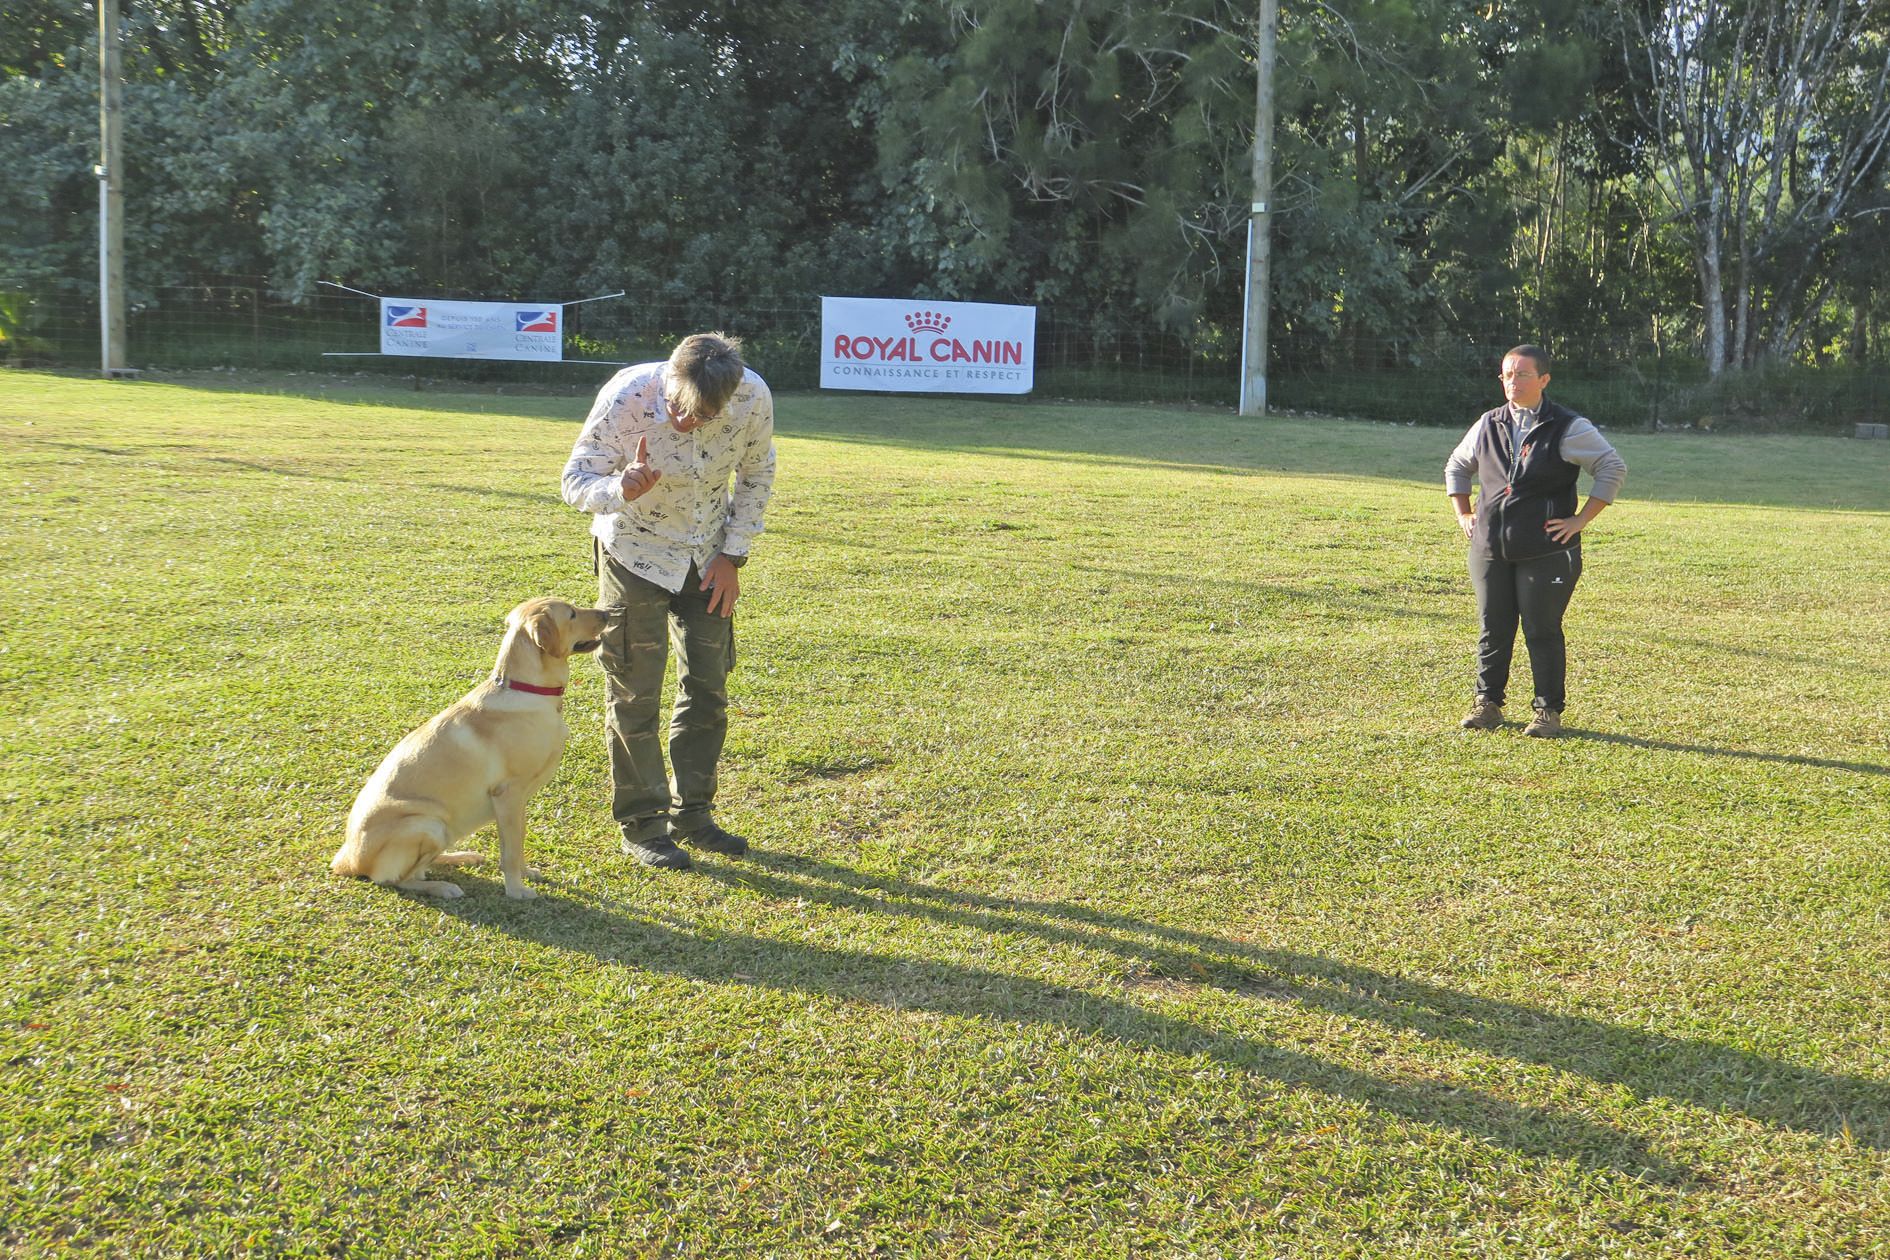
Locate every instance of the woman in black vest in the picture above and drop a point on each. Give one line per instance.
(1525, 534)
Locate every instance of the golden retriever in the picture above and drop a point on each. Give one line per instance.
(479, 762)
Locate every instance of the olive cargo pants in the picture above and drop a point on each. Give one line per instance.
(646, 802)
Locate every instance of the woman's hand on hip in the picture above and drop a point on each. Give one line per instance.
(1563, 529)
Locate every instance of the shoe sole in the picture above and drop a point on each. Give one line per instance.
(677, 861)
(723, 847)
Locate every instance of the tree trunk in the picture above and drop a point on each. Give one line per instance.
(1713, 299)
(1742, 330)
(1352, 333)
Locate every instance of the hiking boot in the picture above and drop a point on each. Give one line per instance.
(712, 839)
(658, 851)
(1484, 715)
(1546, 724)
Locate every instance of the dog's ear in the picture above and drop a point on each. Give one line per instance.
(542, 629)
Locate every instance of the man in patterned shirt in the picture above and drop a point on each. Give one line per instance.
(653, 465)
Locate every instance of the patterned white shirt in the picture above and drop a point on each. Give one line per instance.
(690, 514)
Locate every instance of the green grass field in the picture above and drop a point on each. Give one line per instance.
(1122, 885)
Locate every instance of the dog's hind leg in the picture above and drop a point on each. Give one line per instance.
(406, 849)
(459, 857)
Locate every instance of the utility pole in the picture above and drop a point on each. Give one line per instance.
(1253, 338)
(111, 194)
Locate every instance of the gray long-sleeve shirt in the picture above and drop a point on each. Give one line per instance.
(1582, 445)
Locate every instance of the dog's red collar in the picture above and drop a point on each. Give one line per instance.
(536, 691)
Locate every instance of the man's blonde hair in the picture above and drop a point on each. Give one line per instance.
(704, 371)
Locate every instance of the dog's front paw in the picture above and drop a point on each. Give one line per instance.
(522, 893)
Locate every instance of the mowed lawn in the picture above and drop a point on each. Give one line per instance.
(1122, 884)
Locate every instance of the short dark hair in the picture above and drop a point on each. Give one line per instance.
(704, 371)
(1536, 354)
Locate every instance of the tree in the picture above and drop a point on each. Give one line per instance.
(1445, 172)
(1076, 152)
(1094, 152)
(1770, 118)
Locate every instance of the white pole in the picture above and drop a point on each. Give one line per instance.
(1246, 318)
(111, 225)
(1253, 340)
(104, 274)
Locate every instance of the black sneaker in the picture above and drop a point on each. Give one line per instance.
(712, 839)
(658, 851)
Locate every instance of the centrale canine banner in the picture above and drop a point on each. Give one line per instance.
(927, 347)
(472, 330)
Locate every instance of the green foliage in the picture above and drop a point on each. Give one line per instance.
(48, 145)
(1075, 154)
(459, 169)
(1775, 120)
(22, 328)
(39, 37)
(1442, 167)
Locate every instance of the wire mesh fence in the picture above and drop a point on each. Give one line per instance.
(1437, 377)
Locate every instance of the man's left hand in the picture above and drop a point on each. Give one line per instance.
(723, 582)
(1564, 528)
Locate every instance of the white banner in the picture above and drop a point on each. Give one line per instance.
(927, 347)
(471, 330)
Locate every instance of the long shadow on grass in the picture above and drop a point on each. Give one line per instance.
(1708, 750)
(1701, 1073)
(576, 920)
(1709, 648)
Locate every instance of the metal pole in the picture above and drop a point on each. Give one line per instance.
(111, 197)
(1253, 341)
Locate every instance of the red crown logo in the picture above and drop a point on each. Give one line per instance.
(928, 321)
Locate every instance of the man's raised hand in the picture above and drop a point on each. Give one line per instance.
(639, 477)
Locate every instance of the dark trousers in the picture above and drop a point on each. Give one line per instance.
(645, 801)
(1536, 593)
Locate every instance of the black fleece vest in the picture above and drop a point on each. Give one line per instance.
(1524, 490)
